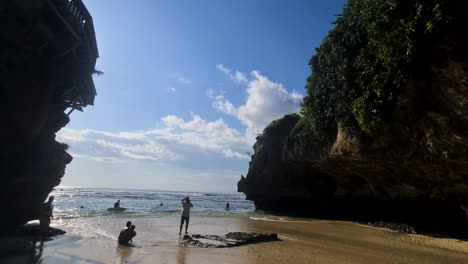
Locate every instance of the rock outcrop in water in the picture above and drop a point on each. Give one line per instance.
(47, 55)
(404, 161)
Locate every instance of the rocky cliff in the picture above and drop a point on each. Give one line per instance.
(40, 77)
(382, 134)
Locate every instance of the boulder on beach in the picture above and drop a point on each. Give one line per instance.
(232, 239)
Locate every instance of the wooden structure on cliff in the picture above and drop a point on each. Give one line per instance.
(80, 43)
(48, 55)
(50, 36)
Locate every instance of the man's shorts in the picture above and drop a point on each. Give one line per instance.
(184, 218)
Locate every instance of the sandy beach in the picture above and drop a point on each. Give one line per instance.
(302, 241)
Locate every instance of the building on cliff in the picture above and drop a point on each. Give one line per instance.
(48, 54)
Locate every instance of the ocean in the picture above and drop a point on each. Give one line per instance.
(92, 233)
(73, 202)
(82, 213)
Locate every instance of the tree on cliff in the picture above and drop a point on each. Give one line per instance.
(365, 62)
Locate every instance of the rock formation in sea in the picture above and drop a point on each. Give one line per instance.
(383, 130)
(47, 56)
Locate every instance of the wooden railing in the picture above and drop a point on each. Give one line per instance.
(85, 21)
(78, 20)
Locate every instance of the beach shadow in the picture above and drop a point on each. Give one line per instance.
(22, 249)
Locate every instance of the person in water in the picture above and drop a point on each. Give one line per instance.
(46, 215)
(227, 206)
(186, 205)
(117, 204)
(127, 234)
(161, 204)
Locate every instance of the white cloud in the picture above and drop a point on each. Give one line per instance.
(237, 76)
(95, 158)
(172, 89)
(108, 146)
(184, 81)
(240, 77)
(221, 104)
(178, 140)
(223, 69)
(171, 143)
(266, 101)
(230, 153)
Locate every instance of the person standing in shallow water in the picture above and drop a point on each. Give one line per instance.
(186, 205)
(46, 215)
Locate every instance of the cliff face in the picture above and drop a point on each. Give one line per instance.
(37, 67)
(413, 169)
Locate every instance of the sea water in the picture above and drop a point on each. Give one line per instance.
(82, 212)
(73, 202)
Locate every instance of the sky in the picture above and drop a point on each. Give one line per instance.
(186, 87)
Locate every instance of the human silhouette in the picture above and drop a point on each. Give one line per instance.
(127, 234)
(185, 217)
(46, 216)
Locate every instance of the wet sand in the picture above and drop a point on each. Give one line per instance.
(92, 240)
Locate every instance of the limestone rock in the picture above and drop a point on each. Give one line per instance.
(42, 73)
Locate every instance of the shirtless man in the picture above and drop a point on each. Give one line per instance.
(186, 205)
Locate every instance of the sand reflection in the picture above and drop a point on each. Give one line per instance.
(124, 253)
(181, 253)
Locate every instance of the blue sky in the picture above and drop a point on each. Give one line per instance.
(187, 85)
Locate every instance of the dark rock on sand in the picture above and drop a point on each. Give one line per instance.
(399, 227)
(23, 239)
(30, 230)
(232, 239)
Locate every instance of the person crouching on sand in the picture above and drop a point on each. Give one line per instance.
(46, 215)
(127, 234)
(186, 205)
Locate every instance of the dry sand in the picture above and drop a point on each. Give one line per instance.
(308, 241)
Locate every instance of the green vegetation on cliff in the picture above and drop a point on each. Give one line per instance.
(276, 131)
(382, 132)
(365, 62)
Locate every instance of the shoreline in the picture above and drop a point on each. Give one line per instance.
(315, 241)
